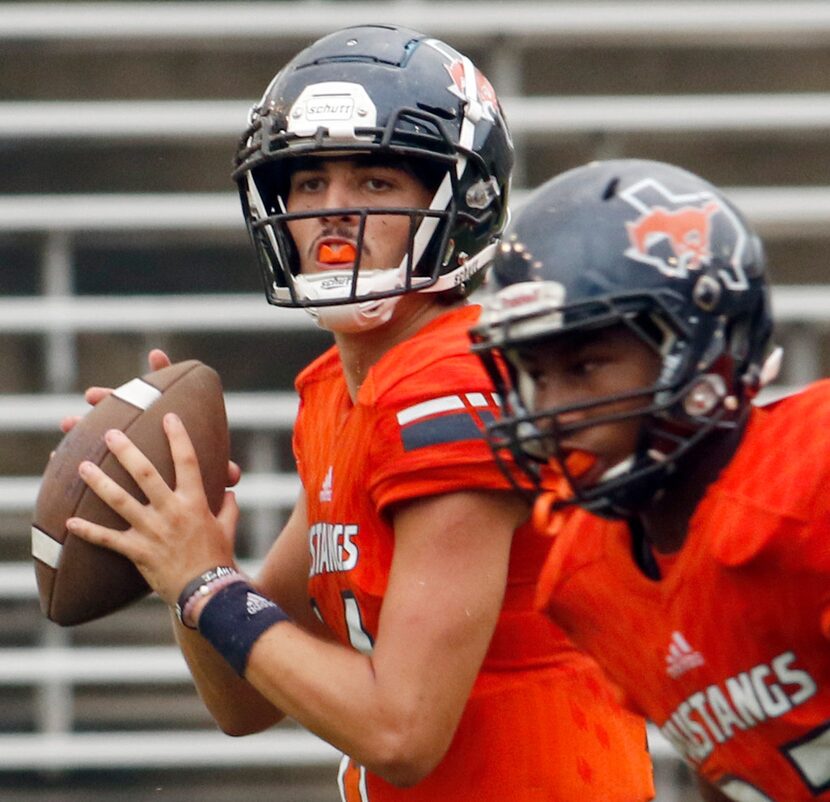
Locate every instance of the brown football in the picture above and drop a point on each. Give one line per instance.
(77, 581)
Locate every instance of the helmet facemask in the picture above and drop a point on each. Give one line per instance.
(428, 249)
(371, 292)
(394, 97)
(654, 248)
(690, 397)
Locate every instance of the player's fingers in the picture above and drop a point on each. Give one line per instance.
(185, 463)
(228, 516)
(138, 466)
(99, 535)
(68, 423)
(158, 359)
(94, 395)
(110, 492)
(234, 474)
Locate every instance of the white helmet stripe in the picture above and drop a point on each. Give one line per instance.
(465, 140)
(428, 226)
(474, 111)
(261, 214)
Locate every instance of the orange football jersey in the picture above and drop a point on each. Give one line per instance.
(728, 653)
(541, 723)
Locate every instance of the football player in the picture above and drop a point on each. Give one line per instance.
(394, 614)
(691, 555)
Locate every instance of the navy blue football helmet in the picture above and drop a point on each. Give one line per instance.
(660, 251)
(384, 92)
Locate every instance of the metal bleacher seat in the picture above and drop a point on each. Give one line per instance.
(48, 676)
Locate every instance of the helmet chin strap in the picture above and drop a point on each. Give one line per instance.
(348, 318)
(365, 315)
(352, 318)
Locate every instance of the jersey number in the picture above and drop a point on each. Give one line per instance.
(359, 638)
(810, 756)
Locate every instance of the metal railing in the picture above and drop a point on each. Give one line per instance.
(58, 751)
(54, 668)
(808, 303)
(194, 120)
(774, 211)
(744, 22)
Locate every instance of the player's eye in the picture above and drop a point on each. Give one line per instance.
(587, 360)
(583, 367)
(378, 184)
(536, 377)
(307, 183)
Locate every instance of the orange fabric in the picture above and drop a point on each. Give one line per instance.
(728, 653)
(542, 723)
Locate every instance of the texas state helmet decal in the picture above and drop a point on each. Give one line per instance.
(674, 233)
(484, 92)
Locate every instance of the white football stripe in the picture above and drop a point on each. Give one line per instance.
(431, 407)
(138, 393)
(45, 548)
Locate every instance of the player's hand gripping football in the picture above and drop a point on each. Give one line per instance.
(175, 536)
(157, 359)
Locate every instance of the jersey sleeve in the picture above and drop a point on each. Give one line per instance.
(429, 437)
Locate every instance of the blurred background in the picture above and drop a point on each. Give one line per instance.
(120, 231)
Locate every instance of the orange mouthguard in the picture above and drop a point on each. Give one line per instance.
(337, 253)
(579, 462)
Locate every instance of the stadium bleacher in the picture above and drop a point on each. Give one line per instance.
(120, 230)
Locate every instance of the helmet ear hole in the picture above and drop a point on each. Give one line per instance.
(611, 189)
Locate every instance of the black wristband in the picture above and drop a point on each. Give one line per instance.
(233, 620)
(195, 586)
